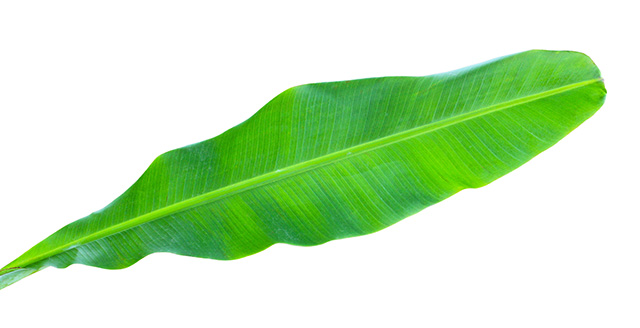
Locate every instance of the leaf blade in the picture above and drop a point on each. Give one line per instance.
(333, 135)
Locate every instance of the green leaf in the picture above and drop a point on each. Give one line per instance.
(334, 160)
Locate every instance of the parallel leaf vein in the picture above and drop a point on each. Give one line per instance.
(296, 169)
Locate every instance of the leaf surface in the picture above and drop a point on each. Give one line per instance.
(333, 160)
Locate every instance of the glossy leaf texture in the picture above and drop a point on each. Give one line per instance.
(334, 160)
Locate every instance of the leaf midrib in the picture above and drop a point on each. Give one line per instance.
(296, 169)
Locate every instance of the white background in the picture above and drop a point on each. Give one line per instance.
(91, 92)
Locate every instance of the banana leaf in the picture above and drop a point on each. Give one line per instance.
(334, 160)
